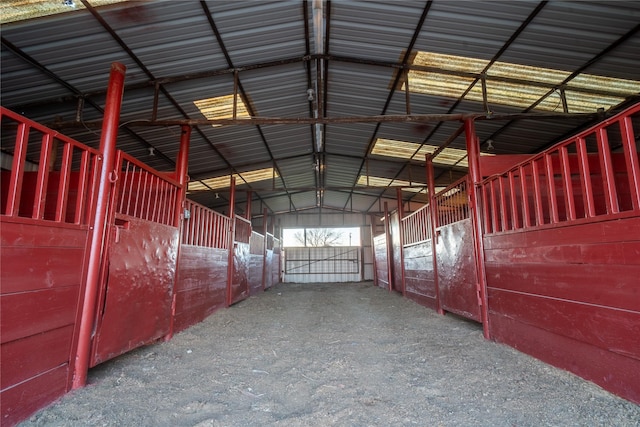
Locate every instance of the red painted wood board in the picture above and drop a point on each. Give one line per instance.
(608, 328)
(139, 289)
(29, 357)
(603, 285)
(612, 371)
(33, 233)
(30, 313)
(457, 276)
(597, 231)
(33, 268)
(23, 399)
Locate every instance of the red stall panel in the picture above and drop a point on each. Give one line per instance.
(562, 255)
(202, 278)
(45, 209)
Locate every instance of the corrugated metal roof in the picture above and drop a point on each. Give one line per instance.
(192, 49)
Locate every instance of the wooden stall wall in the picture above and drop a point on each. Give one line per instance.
(458, 285)
(417, 247)
(136, 292)
(46, 208)
(201, 284)
(562, 255)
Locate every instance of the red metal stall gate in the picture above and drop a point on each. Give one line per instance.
(562, 254)
(458, 284)
(46, 208)
(417, 255)
(239, 285)
(135, 298)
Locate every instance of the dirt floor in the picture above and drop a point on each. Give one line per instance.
(333, 355)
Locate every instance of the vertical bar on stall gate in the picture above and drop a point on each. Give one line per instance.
(40, 198)
(433, 224)
(526, 218)
(108, 138)
(473, 150)
(606, 170)
(63, 184)
(83, 177)
(570, 207)
(247, 214)
(387, 232)
(551, 186)
(232, 229)
(400, 216)
(585, 178)
(17, 170)
(631, 159)
(504, 215)
(515, 218)
(537, 193)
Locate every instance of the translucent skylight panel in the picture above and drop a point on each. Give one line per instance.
(225, 181)
(221, 107)
(407, 150)
(517, 85)
(20, 10)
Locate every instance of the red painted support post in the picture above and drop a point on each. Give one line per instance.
(400, 215)
(473, 151)
(433, 223)
(247, 214)
(182, 169)
(387, 233)
(232, 232)
(99, 229)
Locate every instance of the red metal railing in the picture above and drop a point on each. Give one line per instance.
(452, 203)
(205, 227)
(594, 174)
(52, 177)
(416, 227)
(243, 230)
(145, 193)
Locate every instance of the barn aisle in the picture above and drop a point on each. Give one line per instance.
(333, 354)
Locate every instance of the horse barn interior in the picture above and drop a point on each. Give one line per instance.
(153, 153)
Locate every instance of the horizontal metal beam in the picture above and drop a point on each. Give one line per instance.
(407, 118)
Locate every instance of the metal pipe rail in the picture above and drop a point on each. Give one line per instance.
(65, 168)
(590, 176)
(205, 227)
